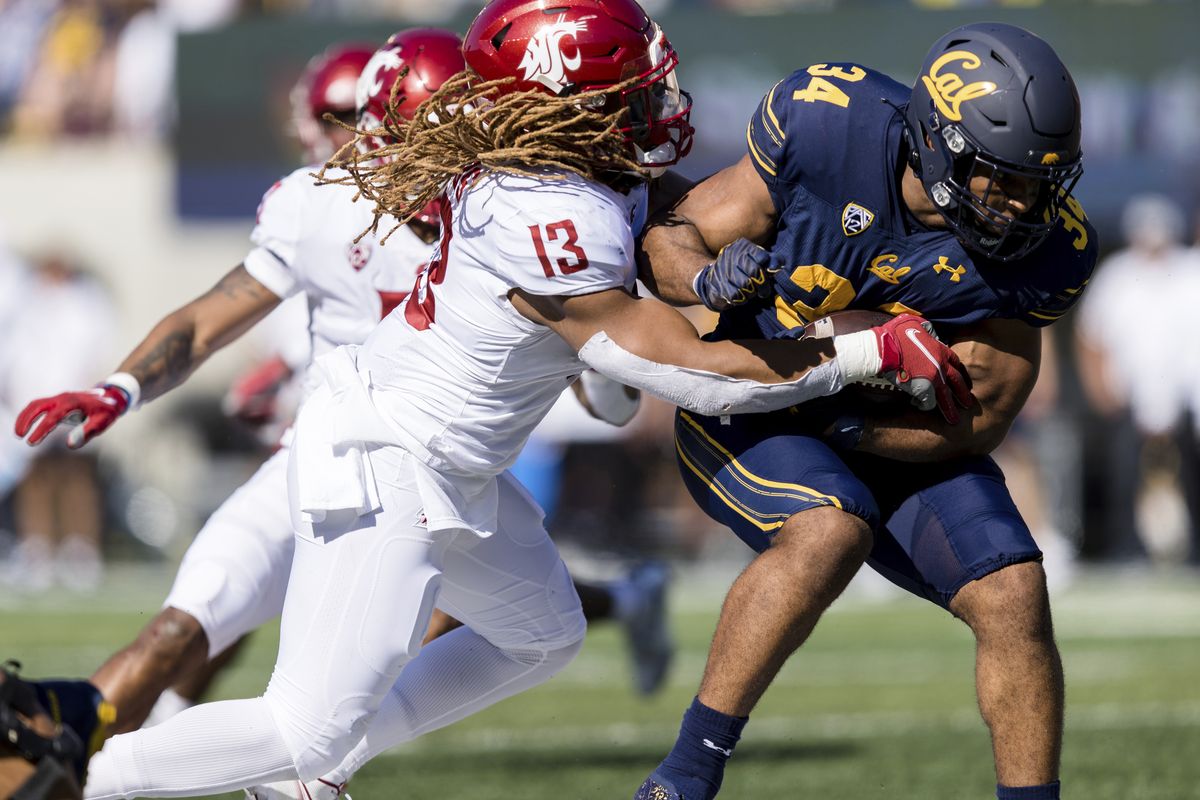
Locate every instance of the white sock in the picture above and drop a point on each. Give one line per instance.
(207, 749)
(454, 676)
(169, 703)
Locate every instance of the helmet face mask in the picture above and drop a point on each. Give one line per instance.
(1002, 211)
(658, 112)
(993, 132)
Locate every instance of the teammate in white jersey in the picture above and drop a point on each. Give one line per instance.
(233, 577)
(397, 471)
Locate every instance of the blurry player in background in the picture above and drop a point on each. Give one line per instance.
(398, 473)
(233, 576)
(952, 200)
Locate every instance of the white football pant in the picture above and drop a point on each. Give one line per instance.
(235, 573)
(361, 593)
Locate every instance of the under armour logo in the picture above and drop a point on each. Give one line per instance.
(943, 265)
(708, 743)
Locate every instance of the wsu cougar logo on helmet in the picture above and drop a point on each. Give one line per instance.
(544, 60)
(371, 81)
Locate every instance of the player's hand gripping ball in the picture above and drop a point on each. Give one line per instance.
(911, 359)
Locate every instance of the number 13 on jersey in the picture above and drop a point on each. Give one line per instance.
(551, 234)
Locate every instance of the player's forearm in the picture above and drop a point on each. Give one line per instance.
(923, 437)
(669, 256)
(184, 339)
(721, 377)
(166, 357)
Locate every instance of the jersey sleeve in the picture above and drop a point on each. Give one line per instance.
(767, 135)
(276, 237)
(565, 240)
(812, 126)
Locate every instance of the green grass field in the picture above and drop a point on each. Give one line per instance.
(880, 703)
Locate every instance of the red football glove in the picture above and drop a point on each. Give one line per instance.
(96, 409)
(918, 364)
(252, 397)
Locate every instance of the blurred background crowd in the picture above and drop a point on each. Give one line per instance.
(136, 138)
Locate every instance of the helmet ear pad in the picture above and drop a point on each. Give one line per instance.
(994, 100)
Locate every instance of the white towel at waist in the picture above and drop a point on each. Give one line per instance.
(333, 431)
(342, 447)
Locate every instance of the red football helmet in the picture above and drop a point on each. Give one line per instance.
(327, 85)
(579, 45)
(433, 56)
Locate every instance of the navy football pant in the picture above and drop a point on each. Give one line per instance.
(937, 526)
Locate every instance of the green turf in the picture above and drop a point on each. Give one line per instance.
(879, 704)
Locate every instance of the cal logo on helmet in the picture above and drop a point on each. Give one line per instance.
(948, 90)
(856, 219)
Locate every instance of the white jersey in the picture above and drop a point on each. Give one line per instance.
(304, 242)
(459, 374)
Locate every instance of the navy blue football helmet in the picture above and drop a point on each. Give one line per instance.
(994, 113)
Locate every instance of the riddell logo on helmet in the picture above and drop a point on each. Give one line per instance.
(544, 60)
(948, 90)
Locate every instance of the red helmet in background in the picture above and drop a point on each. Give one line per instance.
(432, 56)
(573, 46)
(327, 86)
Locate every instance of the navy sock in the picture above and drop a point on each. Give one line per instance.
(1047, 791)
(77, 705)
(696, 765)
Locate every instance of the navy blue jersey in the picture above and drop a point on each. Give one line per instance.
(827, 142)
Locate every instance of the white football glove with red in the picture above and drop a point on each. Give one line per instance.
(907, 353)
(89, 413)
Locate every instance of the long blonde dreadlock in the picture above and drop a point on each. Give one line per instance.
(522, 133)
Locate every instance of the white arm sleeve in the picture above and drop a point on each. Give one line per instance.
(703, 392)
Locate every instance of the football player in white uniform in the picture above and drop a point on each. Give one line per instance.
(397, 472)
(233, 577)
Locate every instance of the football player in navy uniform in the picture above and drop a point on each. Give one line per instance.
(951, 201)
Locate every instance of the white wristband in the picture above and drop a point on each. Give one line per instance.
(858, 355)
(127, 384)
(696, 284)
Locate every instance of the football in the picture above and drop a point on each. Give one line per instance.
(853, 321)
